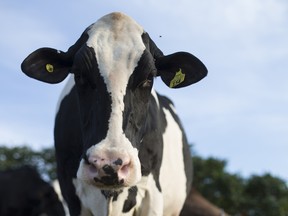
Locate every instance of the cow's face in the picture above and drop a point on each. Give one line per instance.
(114, 63)
(113, 74)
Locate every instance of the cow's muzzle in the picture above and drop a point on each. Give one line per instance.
(110, 169)
(107, 172)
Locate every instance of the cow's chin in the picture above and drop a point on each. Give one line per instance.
(116, 181)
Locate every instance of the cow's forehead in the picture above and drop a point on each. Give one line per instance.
(118, 45)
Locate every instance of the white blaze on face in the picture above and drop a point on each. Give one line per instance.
(118, 45)
(117, 42)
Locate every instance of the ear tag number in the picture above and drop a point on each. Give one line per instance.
(49, 68)
(178, 78)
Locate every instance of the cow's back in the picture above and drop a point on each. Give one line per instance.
(176, 167)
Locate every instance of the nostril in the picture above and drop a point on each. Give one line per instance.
(118, 162)
(108, 170)
(123, 172)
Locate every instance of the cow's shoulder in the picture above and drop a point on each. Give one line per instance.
(165, 101)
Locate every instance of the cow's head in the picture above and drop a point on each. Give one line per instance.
(114, 63)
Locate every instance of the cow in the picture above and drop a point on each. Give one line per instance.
(24, 193)
(120, 147)
(197, 205)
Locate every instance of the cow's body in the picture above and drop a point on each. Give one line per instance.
(120, 147)
(23, 192)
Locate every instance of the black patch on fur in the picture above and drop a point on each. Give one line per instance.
(118, 162)
(130, 202)
(111, 194)
(111, 179)
(109, 170)
(94, 99)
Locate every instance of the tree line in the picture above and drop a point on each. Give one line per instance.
(263, 195)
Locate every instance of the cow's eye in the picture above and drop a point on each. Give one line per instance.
(147, 83)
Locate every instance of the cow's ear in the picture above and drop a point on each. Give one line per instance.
(180, 69)
(47, 65)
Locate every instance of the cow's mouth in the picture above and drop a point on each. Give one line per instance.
(109, 181)
(111, 178)
(108, 177)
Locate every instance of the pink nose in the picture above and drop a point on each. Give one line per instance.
(107, 171)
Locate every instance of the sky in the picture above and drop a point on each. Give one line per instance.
(237, 113)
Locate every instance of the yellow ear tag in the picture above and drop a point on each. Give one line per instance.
(49, 68)
(178, 78)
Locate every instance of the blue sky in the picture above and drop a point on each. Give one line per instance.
(239, 112)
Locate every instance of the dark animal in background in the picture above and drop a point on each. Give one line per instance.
(24, 193)
(197, 205)
(120, 146)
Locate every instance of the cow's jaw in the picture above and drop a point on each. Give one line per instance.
(118, 47)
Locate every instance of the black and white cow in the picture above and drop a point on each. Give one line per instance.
(24, 193)
(120, 147)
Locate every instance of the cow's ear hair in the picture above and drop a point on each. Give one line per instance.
(47, 65)
(180, 69)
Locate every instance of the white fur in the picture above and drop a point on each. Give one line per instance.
(149, 200)
(92, 200)
(118, 45)
(173, 108)
(57, 189)
(172, 172)
(154, 94)
(67, 89)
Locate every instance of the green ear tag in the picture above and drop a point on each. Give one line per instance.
(49, 68)
(178, 78)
